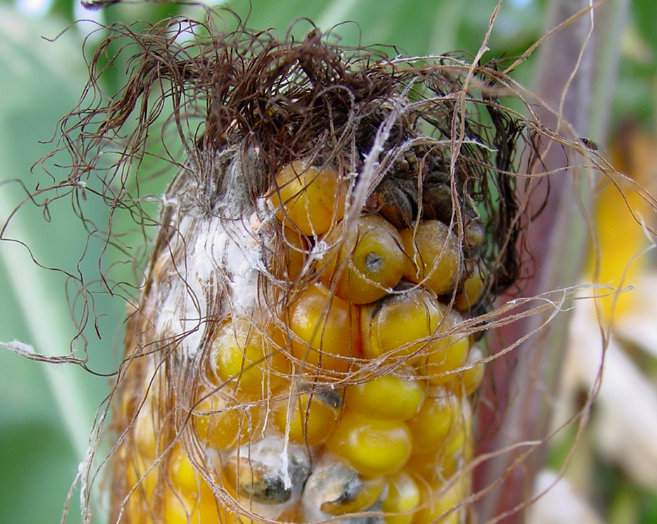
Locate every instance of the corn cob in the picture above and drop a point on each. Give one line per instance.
(278, 430)
(294, 360)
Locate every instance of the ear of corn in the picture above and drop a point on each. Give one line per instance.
(348, 401)
(302, 350)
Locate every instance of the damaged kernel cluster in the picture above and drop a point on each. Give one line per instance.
(348, 400)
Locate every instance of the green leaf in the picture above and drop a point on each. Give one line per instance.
(46, 410)
(644, 16)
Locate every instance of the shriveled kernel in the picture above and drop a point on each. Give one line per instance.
(308, 198)
(221, 423)
(388, 397)
(312, 419)
(334, 488)
(433, 256)
(327, 327)
(398, 322)
(270, 471)
(243, 357)
(402, 499)
(358, 496)
(474, 234)
(368, 259)
(372, 446)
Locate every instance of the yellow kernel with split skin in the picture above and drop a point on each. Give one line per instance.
(311, 421)
(369, 260)
(402, 499)
(308, 198)
(388, 397)
(396, 324)
(243, 357)
(372, 446)
(327, 328)
(433, 256)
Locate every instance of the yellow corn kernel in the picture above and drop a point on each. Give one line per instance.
(372, 446)
(201, 508)
(288, 263)
(433, 256)
(312, 419)
(144, 433)
(468, 381)
(441, 503)
(142, 475)
(458, 448)
(387, 397)
(223, 424)
(472, 290)
(136, 512)
(396, 323)
(369, 258)
(308, 198)
(327, 327)
(242, 356)
(403, 497)
(183, 474)
(446, 353)
(433, 424)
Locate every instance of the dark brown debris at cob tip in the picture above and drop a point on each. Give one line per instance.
(312, 98)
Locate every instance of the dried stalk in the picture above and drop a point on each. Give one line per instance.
(575, 77)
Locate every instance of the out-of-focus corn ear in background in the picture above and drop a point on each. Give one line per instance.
(616, 458)
(46, 411)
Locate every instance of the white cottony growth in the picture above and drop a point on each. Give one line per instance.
(18, 347)
(214, 251)
(319, 250)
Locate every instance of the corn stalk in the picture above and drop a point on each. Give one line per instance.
(575, 78)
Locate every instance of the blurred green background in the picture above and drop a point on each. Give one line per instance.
(46, 411)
